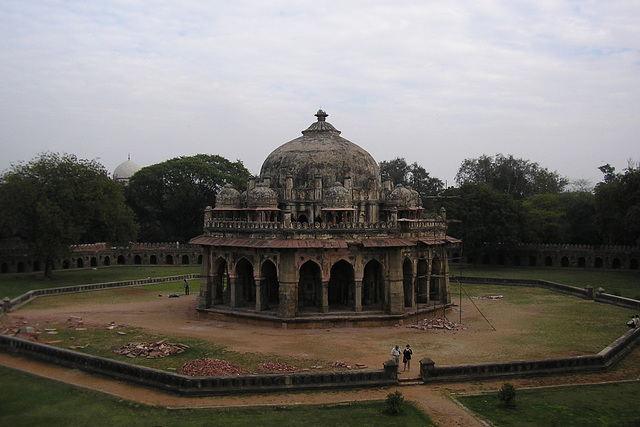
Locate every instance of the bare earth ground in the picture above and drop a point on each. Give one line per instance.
(476, 342)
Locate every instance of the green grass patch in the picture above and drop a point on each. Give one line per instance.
(28, 400)
(13, 285)
(618, 282)
(585, 406)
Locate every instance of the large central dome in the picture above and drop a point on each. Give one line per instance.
(320, 153)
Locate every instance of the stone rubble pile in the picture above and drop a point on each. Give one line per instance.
(209, 368)
(150, 350)
(437, 323)
(276, 368)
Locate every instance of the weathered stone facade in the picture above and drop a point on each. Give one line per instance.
(318, 238)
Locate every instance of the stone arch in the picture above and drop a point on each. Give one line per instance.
(94, 262)
(153, 260)
(342, 285)
(422, 273)
(310, 285)
(633, 264)
(21, 267)
(372, 285)
(80, 263)
(269, 286)
(616, 263)
(564, 261)
(137, 260)
(436, 279)
(200, 259)
(599, 263)
(407, 282)
(582, 262)
(121, 260)
(65, 264)
(185, 259)
(548, 261)
(244, 283)
(106, 260)
(302, 218)
(532, 261)
(169, 259)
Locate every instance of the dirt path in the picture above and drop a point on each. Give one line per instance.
(476, 342)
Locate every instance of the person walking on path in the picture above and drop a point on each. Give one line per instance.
(395, 353)
(406, 358)
(186, 287)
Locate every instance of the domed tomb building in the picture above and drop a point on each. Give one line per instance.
(318, 239)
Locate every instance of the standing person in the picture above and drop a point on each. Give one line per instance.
(395, 353)
(186, 287)
(406, 358)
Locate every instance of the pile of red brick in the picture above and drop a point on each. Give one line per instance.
(276, 368)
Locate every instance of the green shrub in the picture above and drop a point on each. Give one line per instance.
(394, 403)
(507, 394)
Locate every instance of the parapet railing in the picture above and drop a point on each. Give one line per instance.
(260, 225)
(12, 304)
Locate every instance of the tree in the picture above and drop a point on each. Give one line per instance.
(516, 177)
(55, 201)
(169, 198)
(414, 176)
(618, 205)
(486, 217)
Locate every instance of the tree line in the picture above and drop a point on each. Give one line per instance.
(55, 201)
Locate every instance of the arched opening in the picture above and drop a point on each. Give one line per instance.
(582, 262)
(269, 286)
(616, 263)
(21, 267)
(372, 287)
(436, 280)
(185, 259)
(302, 218)
(107, 261)
(599, 262)
(407, 282)
(564, 261)
(65, 264)
(153, 260)
(199, 259)
(94, 262)
(633, 264)
(137, 260)
(121, 260)
(36, 265)
(245, 284)
(309, 285)
(548, 261)
(342, 286)
(169, 260)
(80, 263)
(422, 295)
(532, 261)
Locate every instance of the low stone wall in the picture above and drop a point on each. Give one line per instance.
(12, 304)
(562, 365)
(586, 293)
(195, 386)
(605, 298)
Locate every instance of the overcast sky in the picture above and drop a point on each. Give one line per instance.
(551, 81)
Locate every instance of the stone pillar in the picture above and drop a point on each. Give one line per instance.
(325, 297)
(258, 296)
(288, 285)
(233, 303)
(589, 290)
(396, 282)
(391, 369)
(6, 305)
(206, 280)
(427, 367)
(358, 296)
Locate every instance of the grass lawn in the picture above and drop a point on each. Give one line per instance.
(13, 285)
(28, 400)
(618, 282)
(595, 405)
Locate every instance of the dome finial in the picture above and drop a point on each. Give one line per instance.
(321, 115)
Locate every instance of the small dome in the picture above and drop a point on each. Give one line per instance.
(262, 197)
(402, 197)
(228, 197)
(337, 196)
(124, 171)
